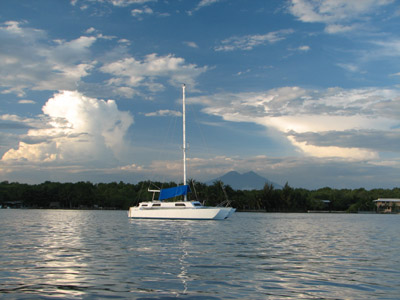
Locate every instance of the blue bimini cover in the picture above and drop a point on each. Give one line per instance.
(173, 192)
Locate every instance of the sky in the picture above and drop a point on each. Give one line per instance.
(299, 91)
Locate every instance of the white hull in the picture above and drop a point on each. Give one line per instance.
(185, 213)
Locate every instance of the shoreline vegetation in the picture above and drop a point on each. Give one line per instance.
(87, 195)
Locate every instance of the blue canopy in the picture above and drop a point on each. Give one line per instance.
(173, 192)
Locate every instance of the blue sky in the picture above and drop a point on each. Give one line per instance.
(302, 91)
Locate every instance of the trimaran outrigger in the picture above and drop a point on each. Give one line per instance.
(188, 210)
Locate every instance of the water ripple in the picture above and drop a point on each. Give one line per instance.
(49, 254)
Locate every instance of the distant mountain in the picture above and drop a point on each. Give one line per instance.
(245, 181)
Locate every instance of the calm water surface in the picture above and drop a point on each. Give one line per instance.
(49, 254)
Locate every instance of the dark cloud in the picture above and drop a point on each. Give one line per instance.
(367, 139)
(13, 125)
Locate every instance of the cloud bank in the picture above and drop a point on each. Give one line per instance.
(319, 123)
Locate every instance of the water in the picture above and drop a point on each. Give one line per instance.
(50, 254)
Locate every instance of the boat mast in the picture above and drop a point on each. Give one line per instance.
(184, 136)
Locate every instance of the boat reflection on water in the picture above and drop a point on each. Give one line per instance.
(183, 275)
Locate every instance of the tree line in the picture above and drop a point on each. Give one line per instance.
(123, 195)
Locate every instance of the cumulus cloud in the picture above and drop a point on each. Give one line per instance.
(339, 15)
(29, 61)
(132, 74)
(306, 116)
(77, 129)
(248, 42)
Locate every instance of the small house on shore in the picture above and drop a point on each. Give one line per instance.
(387, 205)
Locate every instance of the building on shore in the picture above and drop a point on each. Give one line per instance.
(387, 205)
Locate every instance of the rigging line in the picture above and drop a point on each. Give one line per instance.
(194, 189)
(201, 133)
(140, 191)
(168, 135)
(207, 148)
(171, 125)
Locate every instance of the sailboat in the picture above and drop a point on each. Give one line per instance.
(185, 209)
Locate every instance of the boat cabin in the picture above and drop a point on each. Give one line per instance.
(159, 204)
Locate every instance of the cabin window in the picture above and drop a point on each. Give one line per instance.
(180, 204)
(156, 204)
(144, 204)
(196, 204)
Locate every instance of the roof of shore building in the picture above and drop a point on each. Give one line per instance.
(387, 200)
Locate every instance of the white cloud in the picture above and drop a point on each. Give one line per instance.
(349, 67)
(119, 3)
(304, 48)
(388, 48)
(132, 73)
(248, 42)
(26, 101)
(29, 61)
(202, 4)
(77, 129)
(140, 12)
(124, 41)
(124, 3)
(336, 28)
(294, 111)
(90, 30)
(163, 113)
(191, 44)
(339, 15)
(98, 34)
